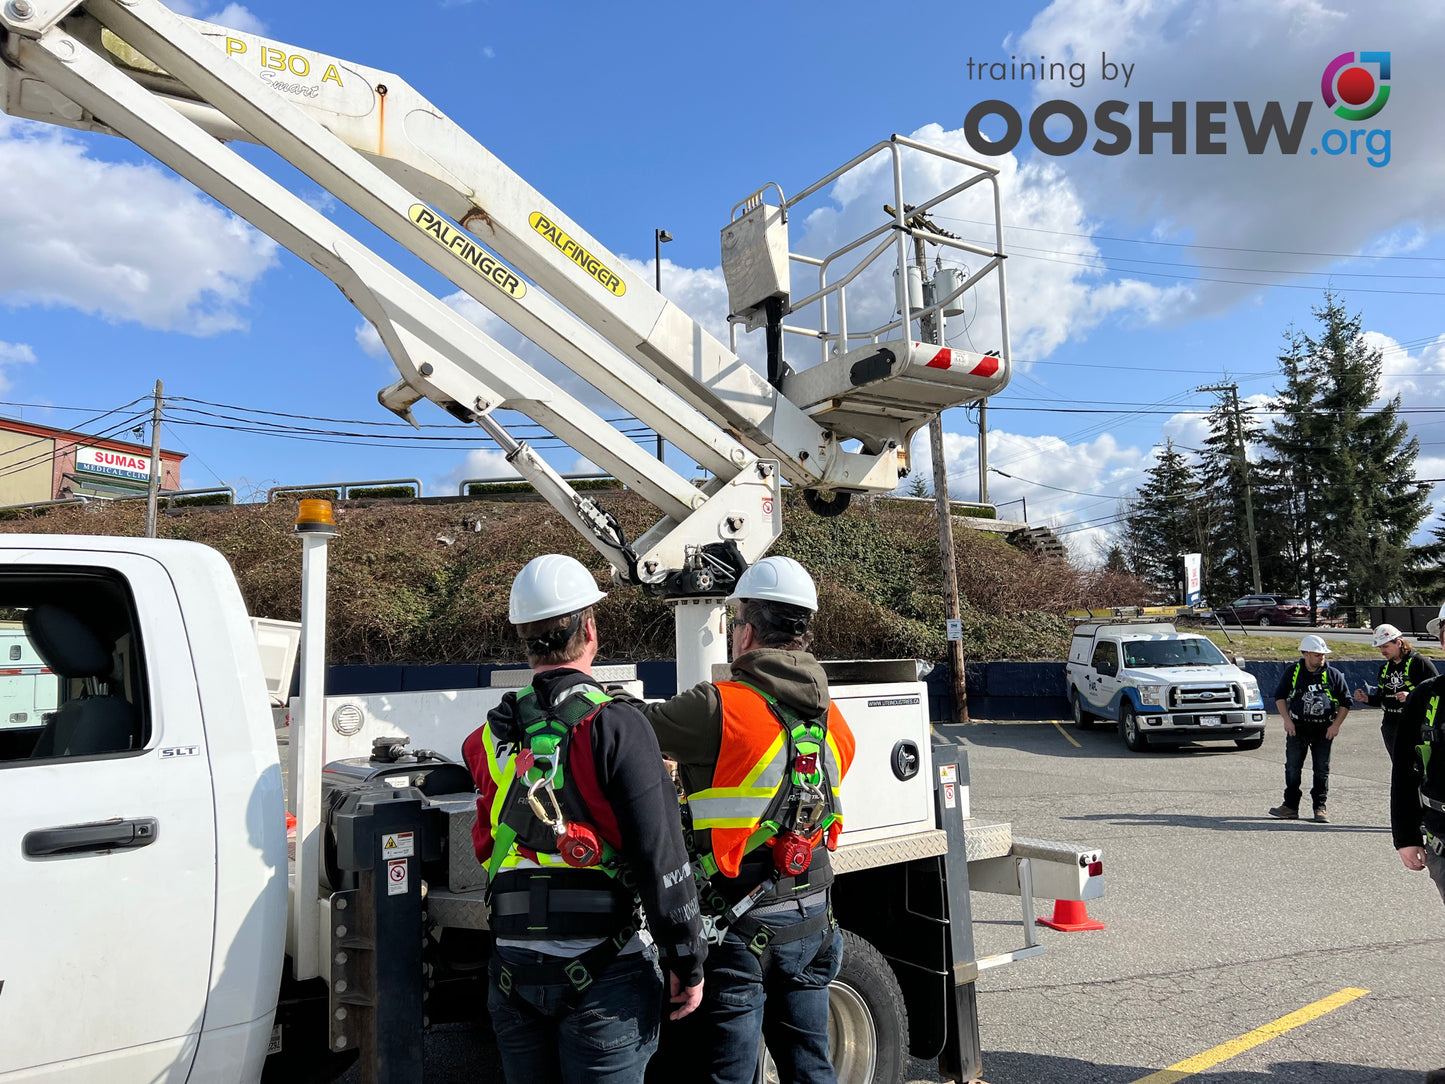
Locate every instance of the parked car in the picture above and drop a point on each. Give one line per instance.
(1266, 610)
(1161, 686)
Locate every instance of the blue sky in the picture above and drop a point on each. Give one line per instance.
(1133, 278)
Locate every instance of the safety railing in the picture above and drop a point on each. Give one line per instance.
(908, 222)
(343, 490)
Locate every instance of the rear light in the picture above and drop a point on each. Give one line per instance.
(1096, 869)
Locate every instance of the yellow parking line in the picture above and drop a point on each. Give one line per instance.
(1067, 736)
(1210, 1058)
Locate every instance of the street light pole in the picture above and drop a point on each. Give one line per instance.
(659, 238)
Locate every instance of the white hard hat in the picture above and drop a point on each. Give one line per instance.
(1384, 634)
(550, 586)
(1315, 644)
(1433, 625)
(777, 579)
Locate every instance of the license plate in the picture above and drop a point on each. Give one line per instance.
(1211, 720)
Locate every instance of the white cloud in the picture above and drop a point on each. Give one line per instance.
(485, 463)
(148, 247)
(370, 342)
(14, 354)
(1281, 207)
(235, 16)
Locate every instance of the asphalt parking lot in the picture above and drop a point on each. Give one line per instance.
(1220, 919)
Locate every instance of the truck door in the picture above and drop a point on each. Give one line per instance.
(1104, 677)
(107, 828)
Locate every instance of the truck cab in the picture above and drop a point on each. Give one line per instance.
(141, 842)
(1161, 686)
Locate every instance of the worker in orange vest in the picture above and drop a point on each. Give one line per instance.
(761, 759)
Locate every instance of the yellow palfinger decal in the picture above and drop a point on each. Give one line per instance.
(492, 269)
(577, 254)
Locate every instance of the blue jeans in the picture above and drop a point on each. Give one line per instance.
(1308, 738)
(744, 1003)
(607, 1039)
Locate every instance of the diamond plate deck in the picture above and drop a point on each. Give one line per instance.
(886, 852)
(983, 839)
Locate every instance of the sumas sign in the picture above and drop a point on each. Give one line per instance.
(135, 468)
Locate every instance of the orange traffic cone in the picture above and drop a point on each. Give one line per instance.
(1071, 916)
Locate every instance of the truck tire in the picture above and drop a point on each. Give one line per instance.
(867, 1020)
(1129, 730)
(1249, 743)
(1082, 719)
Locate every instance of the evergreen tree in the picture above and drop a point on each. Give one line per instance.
(1167, 518)
(1341, 476)
(1294, 473)
(1372, 505)
(1224, 474)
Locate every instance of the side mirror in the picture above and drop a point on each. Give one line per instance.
(1239, 661)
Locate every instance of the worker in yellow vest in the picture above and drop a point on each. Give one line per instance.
(590, 893)
(761, 759)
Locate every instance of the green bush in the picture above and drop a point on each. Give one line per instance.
(203, 500)
(380, 491)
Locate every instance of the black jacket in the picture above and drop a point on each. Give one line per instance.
(1314, 699)
(636, 785)
(1406, 813)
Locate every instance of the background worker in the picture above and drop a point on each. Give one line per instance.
(1417, 784)
(574, 795)
(760, 759)
(1404, 669)
(1313, 701)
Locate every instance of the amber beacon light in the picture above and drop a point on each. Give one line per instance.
(315, 517)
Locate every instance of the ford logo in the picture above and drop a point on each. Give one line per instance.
(1206, 696)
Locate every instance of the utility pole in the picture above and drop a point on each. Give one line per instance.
(983, 454)
(1233, 390)
(153, 492)
(659, 238)
(929, 332)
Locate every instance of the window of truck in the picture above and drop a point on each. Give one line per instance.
(71, 672)
(1193, 651)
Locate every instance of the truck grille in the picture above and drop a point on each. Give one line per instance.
(1206, 698)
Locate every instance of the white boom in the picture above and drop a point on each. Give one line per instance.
(180, 88)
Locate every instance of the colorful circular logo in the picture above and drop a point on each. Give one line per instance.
(1352, 90)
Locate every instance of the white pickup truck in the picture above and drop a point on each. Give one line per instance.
(160, 928)
(1163, 687)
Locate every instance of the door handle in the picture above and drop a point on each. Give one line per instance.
(111, 835)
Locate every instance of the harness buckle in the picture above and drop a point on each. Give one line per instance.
(812, 804)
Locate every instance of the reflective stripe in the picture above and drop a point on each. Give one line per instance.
(730, 807)
(768, 772)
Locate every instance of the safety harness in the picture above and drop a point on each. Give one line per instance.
(583, 888)
(797, 819)
(1324, 682)
(1432, 733)
(1405, 673)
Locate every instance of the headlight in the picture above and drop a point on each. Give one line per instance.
(1251, 691)
(1151, 694)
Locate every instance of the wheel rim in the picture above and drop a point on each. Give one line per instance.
(1264, 622)
(1078, 710)
(852, 1035)
(852, 1038)
(1131, 728)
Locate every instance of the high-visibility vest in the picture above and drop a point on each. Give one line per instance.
(1432, 736)
(754, 770)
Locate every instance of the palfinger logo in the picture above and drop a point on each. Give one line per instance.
(1351, 90)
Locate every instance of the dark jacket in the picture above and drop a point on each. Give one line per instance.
(1399, 677)
(1407, 815)
(1314, 699)
(635, 790)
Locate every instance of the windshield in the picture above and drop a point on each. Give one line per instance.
(1194, 651)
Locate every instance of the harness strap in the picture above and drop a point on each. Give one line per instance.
(579, 972)
(760, 937)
